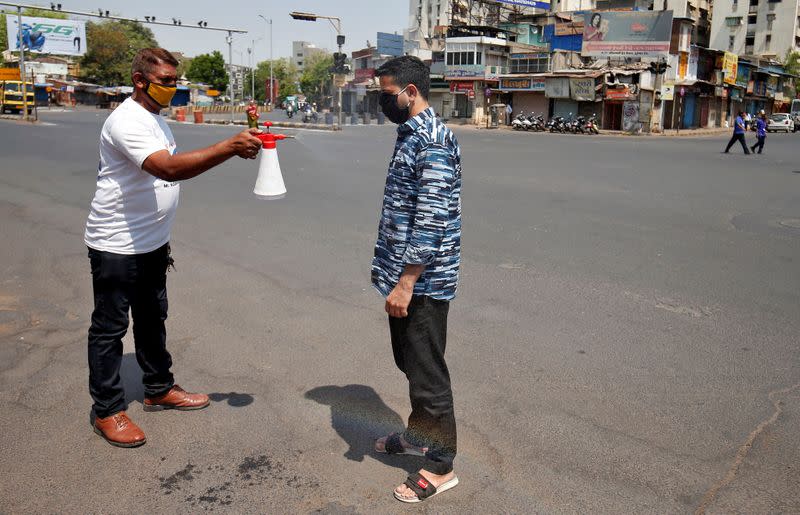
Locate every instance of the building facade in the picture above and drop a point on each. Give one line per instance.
(758, 28)
(302, 51)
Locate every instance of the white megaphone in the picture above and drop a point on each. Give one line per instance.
(269, 184)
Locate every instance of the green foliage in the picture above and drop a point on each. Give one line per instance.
(283, 70)
(317, 77)
(38, 13)
(111, 47)
(209, 69)
(183, 66)
(791, 64)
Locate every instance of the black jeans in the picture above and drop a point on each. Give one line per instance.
(122, 282)
(759, 144)
(418, 343)
(740, 139)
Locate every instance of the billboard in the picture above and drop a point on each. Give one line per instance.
(47, 35)
(528, 3)
(627, 34)
(390, 44)
(730, 63)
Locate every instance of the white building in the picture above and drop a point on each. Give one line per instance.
(302, 51)
(765, 28)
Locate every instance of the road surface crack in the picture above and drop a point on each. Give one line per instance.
(744, 450)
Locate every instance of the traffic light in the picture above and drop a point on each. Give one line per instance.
(658, 68)
(339, 65)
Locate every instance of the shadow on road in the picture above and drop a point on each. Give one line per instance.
(134, 389)
(237, 400)
(360, 416)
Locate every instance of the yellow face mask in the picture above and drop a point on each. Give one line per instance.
(161, 95)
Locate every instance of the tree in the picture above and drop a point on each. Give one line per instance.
(317, 76)
(791, 64)
(209, 69)
(183, 67)
(38, 13)
(111, 47)
(283, 71)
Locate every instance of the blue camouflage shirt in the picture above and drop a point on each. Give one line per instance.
(421, 216)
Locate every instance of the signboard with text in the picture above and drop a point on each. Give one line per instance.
(582, 89)
(522, 84)
(537, 4)
(47, 35)
(730, 62)
(627, 33)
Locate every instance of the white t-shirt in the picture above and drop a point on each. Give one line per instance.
(132, 211)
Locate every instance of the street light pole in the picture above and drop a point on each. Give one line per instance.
(229, 39)
(269, 22)
(22, 64)
(339, 40)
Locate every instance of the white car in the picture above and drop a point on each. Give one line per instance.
(780, 122)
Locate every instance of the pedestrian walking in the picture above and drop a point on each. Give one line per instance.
(416, 267)
(761, 132)
(128, 233)
(738, 134)
(509, 114)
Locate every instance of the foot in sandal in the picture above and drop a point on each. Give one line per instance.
(396, 444)
(423, 485)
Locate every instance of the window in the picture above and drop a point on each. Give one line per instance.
(300, 54)
(533, 63)
(733, 21)
(750, 40)
(751, 19)
(478, 57)
(449, 58)
(299, 63)
(768, 42)
(731, 43)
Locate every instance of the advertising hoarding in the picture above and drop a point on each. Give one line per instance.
(627, 34)
(47, 35)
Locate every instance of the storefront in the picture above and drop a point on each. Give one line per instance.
(462, 99)
(526, 94)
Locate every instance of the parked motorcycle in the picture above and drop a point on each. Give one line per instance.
(556, 124)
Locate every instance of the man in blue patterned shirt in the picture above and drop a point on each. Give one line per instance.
(416, 265)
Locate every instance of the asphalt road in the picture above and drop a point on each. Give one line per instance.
(625, 338)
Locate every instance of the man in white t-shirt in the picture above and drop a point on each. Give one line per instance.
(128, 234)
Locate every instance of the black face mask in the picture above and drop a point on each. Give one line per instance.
(393, 112)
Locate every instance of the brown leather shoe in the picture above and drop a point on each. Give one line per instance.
(119, 430)
(176, 398)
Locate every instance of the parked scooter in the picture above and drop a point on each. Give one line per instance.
(558, 124)
(518, 124)
(537, 122)
(590, 125)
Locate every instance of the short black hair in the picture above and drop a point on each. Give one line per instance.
(406, 70)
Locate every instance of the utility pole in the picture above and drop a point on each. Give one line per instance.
(22, 74)
(229, 39)
(268, 21)
(339, 41)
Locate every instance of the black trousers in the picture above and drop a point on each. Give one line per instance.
(740, 139)
(128, 282)
(418, 344)
(759, 144)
